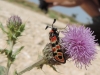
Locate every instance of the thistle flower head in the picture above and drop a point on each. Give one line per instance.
(14, 27)
(48, 55)
(14, 20)
(79, 43)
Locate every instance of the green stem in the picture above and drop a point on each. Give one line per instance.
(8, 66)
(11, 45)
(37, 64)
(9, 61)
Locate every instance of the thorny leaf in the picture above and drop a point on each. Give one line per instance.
(18, 51)
(53, 68)
(1, 26)
(5, 51)
(3, 70)
(22, 28)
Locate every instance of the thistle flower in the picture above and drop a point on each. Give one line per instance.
(79, 43)
(14, 20)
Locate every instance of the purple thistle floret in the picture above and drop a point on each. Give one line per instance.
(79, 44)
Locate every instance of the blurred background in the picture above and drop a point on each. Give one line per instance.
(35, 37)
(75, 12)
(62, 13)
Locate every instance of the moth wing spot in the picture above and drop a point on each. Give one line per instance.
(60, 57)
(54, 49)
(53, 39)
(58, 47)
(60, 54)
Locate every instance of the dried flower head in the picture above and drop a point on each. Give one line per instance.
(48, 55)
(14, 20)
(79, 44)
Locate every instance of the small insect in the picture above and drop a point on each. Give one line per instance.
(56, 47)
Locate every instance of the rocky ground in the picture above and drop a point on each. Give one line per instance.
(34, 38)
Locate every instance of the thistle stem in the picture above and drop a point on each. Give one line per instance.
(8, 66)
(9, 61)
(37, 64)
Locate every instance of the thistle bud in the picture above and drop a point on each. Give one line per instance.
(14, 20)
(15, 27)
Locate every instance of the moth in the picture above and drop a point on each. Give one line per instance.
(56, 47)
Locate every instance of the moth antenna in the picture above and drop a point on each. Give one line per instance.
(46, 27)
(53, 22)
